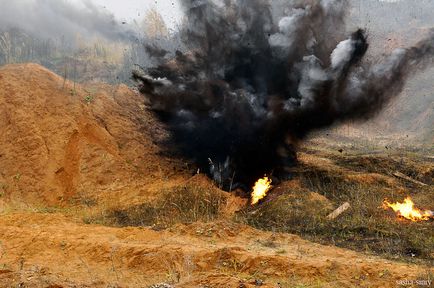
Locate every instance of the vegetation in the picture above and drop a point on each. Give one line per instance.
(80, 60)
(184, 204)
(365, 226)
(302, 208)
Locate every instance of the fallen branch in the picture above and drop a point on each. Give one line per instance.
(405, 177)
(344, 207)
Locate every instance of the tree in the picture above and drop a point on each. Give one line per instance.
(154, 25)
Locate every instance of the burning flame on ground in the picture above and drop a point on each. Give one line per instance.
(408, 211)
(262, 186)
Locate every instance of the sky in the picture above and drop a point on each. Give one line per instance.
(128, 9)
(135, 9)
(65, 19)
(118, 19)
(170, 10)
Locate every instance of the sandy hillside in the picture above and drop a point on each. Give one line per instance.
(67, 151)
(61, 141)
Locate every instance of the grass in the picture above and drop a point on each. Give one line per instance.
(388, 165)
(364, 227)
(90, 96)
(294, 281)
(184, 204)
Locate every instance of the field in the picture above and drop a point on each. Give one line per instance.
(89, 198)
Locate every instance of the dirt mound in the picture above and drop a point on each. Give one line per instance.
(62, 141)
(221, 254)
(89, 153)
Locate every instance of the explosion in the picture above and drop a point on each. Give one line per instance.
(253, 77)
(262, 186)
(408, 211)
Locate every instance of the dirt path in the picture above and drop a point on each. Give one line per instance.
(50, 250)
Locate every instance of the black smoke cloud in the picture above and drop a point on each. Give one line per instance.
(260, 75)
(60, 18)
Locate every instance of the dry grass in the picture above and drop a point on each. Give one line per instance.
(184, 204)
(302, 209)
(410, 166)
(365, 227)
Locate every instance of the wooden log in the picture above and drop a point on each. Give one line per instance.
(405, 177)
(344, 207)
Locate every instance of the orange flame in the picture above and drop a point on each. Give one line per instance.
(408, 211)
(262, 186)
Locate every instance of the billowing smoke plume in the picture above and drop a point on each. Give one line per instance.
(60, 18)
(260, 75)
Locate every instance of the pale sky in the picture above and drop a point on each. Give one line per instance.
(135, 9)
(65, 18)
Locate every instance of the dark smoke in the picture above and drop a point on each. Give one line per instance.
(260, 75)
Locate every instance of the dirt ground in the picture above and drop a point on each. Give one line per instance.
(50, 250)
(68, 151)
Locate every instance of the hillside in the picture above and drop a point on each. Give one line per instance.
(62, 141)
(89, 198)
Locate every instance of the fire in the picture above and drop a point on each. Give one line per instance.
(408, 211)
(262, 186)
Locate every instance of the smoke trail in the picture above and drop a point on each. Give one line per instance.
(59, 18)
(260, 75)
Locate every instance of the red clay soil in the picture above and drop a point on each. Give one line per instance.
(60, 143)
(52, 250)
